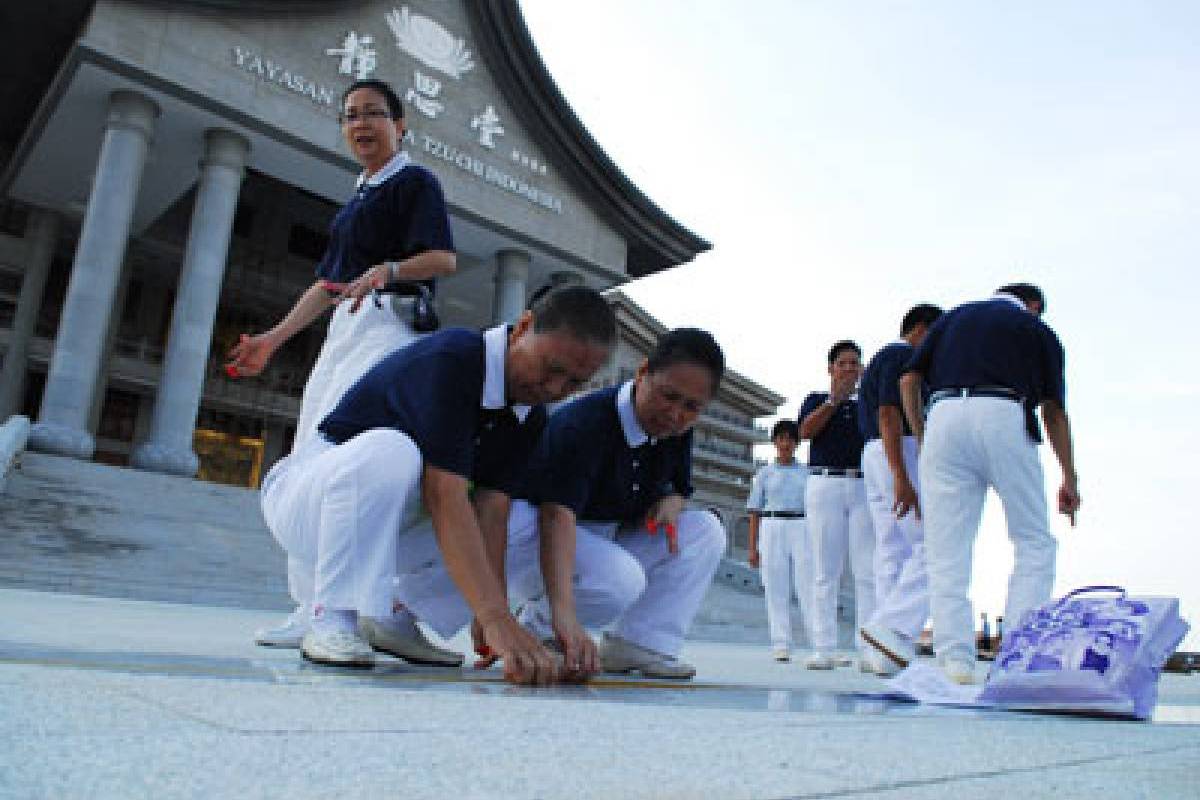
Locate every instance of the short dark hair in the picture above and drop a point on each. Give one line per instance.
(1025, 292)
(580, 310)
(395, 107)
(785, 427)
(921, 314)
(688, 346)
(842, 346)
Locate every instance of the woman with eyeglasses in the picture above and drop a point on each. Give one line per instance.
(392, 233)
(386, 245)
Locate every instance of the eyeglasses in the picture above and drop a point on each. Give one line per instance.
(345, 117)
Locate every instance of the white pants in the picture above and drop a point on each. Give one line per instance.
(901, 580)
(623, 578)
(347, 515)
(839, 521)
(354, 343)
(784, 549)
(972, 443)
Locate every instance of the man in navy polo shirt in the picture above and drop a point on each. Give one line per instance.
(838, 517)
(413, 434)
(607, 487)
(889, 463)
(988, 366)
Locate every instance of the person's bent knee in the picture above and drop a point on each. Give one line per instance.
(706, 531)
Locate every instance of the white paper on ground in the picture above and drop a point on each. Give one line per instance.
(927, 683)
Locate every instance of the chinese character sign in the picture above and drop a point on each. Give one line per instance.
(488, 125)
(357, 55)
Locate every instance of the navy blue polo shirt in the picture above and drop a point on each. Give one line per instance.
(390, 220)
(880, 386)
(993, 342)
(840, 443)
(587, 462)
(441, 393)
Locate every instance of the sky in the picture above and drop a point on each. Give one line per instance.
(849, 159)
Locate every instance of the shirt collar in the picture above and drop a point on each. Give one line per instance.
(495, 345)
(635, 436)
(397, 163)
(1016, 301)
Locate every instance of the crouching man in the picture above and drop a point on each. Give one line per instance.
(399, 454)
(606, 517)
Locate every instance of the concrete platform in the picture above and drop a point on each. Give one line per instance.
(103, 697)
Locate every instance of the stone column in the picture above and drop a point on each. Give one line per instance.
(66, 403)
(40, 238)
(169, 448)
(512, 272)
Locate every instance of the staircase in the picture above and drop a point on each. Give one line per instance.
(74, 526)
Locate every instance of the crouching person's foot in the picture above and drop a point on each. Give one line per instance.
(337, 648)
(288, 633)
(400, 637)
(623, 656)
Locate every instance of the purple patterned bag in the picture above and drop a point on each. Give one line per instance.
(1096, 649)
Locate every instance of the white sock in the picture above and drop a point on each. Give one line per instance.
(335, 620)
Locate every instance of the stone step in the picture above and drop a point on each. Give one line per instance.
(74, 526)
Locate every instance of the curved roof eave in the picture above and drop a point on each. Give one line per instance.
(655, 240)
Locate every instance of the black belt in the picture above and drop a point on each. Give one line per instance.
(1002, 392)
(781, 514)
(836, 471)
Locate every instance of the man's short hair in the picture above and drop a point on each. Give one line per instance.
(785, 427)
(1025, 292)
(579, 310)
(921, 314)
(689, 346)
(395, 107)
(841, 347)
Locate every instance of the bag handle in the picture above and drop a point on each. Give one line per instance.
(1086, 589)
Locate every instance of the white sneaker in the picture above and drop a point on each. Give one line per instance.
(622, 656)
(781, 654)
(894, 652)
(959, 670)
(819, 660)
(409, 644)
(337, 648)
(288, 634)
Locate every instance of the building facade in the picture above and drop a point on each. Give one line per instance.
(168, 173)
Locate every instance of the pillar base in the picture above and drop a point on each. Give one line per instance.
(62, 440)
(154, 457)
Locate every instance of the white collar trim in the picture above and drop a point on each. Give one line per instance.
(635, 436)
(1016, 301)
(495, 345)
(397, 163)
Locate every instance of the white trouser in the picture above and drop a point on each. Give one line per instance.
(354, 343)
(901, 580)
(344, 514)
(839, 521)
(625, 578)
(972, 443)
(783, 549)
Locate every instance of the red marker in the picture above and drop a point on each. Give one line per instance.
(672, 533)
